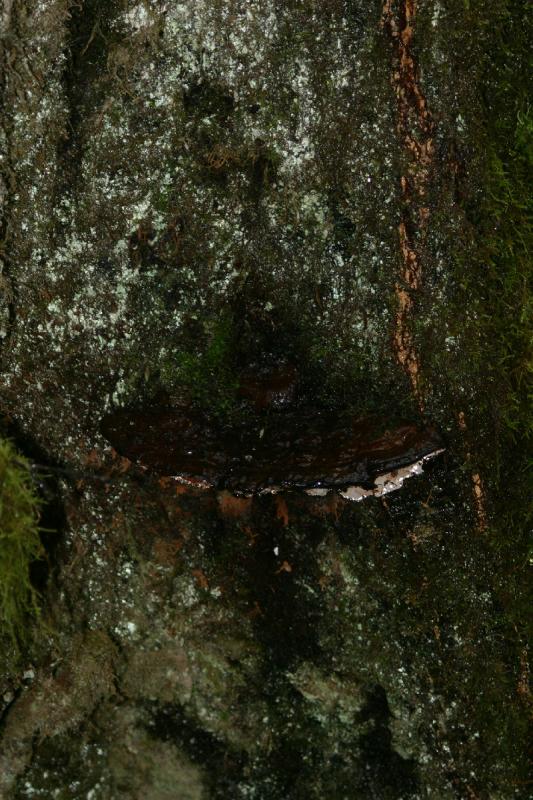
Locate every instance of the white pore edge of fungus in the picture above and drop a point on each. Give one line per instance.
(389, 481)
(383, 484)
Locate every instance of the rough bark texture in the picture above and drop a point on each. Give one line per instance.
(190, 190)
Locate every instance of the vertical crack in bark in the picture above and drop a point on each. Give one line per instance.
(6, 172)
(86, 52)
(415, 127)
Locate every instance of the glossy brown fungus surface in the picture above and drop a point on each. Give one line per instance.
(302, 450)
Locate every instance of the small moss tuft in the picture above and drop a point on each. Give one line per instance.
(207, 373)
(20, 543)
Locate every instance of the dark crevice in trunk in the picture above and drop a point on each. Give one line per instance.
(386, 773)
(87, 46)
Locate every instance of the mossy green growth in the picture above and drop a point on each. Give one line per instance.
(508, 230)
(504, 272)
(20, 543)
(208, 374)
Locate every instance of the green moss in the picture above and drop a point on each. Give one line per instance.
(500, 276)
(505, 240)
(509, 229)
(20, 544)
(207, 374)
(509, 324)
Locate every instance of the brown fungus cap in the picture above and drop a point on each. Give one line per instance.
(288, 450)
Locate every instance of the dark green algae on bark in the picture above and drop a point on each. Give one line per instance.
(198, 191)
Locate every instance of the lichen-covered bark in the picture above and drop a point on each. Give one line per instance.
(192, 190)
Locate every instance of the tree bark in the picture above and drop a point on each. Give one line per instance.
(192, 191)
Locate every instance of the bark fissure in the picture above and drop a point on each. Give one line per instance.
(84, 49)
(7, 55)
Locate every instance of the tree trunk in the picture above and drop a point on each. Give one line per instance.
(194, 193)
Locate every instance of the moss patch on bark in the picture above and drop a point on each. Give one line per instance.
(20, 544)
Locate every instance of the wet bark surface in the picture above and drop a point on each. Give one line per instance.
(195, 195)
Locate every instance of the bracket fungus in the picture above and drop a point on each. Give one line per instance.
(312, 451)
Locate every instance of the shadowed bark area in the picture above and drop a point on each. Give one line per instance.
(196, 195)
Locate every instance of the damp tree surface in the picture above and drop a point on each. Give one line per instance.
(247, 272)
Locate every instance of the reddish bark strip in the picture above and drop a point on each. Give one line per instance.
(415, 128)
(477, 484)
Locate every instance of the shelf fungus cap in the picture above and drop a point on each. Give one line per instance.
(314, 452)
